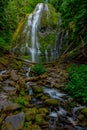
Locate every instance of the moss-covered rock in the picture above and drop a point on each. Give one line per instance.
(33, 127)
(81, 117)
(40, 120)
(16, 64)
(31, 114)
(44, 97)
(37, 89)
(43, 110)
(3, 61)
(52, 102)
(84, 111)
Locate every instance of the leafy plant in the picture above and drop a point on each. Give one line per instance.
(38, 69)
(21, 101)
(77, 85)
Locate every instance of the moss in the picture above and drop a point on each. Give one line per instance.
(34, 127)
(84, 111)
(3, 61)
(44, 97)
(39, 119)
(72, 104)
(43, 111)
(37, 89)
(19, 27)
(52, 102)
(46, 41)
(53, 16)
(31, 114)
(16, 64)
(49, 18)
(81, 117)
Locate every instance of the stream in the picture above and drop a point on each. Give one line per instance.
(59, 118)
(51, 107)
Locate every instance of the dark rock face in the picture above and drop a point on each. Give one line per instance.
(14, 122)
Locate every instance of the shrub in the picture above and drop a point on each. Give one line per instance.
(38, 69)
(77, 85)
(21, 101)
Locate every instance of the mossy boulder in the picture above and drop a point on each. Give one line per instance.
(40, 120)
(84, 111)
(3, 61)
(44, 97)
(16, 64)
(14, 122)
(52, 102)
(31, 114)
(43, 111)
(81, 117)
(37, 89)
(33, 127)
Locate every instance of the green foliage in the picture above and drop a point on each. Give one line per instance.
(74, 19)
(56, 3)
(47, 41)
(12, 12)
(26, 124)
(21, 101)
(3, 46)
(77, 86)
(38, 69)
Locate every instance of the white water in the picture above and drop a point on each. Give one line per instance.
(31, 32)
(53, 93)
(2, 72)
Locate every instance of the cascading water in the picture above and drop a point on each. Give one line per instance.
(28, 41)
(41, 38)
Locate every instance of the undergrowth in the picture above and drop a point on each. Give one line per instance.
(38, 69)
(77, 85)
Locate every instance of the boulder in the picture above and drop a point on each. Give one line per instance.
(14, 122)
(14, 76)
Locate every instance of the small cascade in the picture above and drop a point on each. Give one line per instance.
(53, 93)
(2, 72)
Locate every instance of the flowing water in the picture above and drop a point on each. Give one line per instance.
(30, 41)
(59, 117)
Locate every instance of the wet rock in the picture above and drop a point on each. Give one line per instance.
(10, 90)
(14, 122)
(9, 82)
(52, 102)
(21, 82)
(67, 128)
(11, 107)
(32, 79)
(6, 105)
(1, 79)
(14, 76)
(43, 76)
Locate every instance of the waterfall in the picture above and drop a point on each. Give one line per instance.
(31, 32)
(39, 37)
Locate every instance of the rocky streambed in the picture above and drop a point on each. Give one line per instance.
(29, 102)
